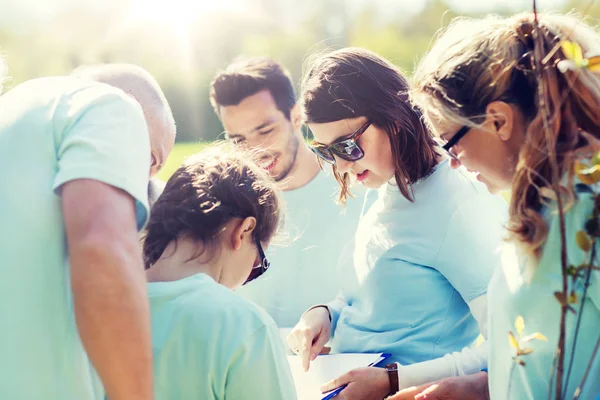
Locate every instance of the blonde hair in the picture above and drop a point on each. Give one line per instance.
(475, 62)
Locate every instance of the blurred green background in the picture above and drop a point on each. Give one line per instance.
(185, 42)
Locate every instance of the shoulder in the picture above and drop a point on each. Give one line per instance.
(226, 309)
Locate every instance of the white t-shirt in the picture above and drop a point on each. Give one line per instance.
(305, 270)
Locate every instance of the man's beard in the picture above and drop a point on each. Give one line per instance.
(292, 148)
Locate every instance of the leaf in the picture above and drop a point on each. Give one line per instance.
(573, 298)
(520, 325)
(572, 51)
(525, 351)
(513, 342)
(593, 63)
(587, 174)
(562, 299)
(583, 241)
(534, 336)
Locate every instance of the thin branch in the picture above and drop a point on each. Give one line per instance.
(579, 317)
(545, 112)
(587, 371)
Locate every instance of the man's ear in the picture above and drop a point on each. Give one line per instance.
(296, 117)
(243, 231)
(500, 116)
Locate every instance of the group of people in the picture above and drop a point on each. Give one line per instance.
(108, 296)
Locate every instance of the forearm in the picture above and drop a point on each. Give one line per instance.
(335, 308)
(468, 361)
(112, 316)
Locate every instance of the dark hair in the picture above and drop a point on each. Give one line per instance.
(245, 78)
(354, 82)
(201, 196)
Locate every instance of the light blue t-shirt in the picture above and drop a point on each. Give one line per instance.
(305, 267)
(417, 265)
(54, 130)
(210, 344)
(515, 292)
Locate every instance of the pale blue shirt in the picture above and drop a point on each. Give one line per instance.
(210, 344)
(521, 289)
(305, 263)
(54, 130)
(417, 265)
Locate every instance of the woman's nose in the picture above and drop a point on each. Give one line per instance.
(342, 165)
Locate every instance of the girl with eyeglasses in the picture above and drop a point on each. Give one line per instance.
(426, 243)
(480, 84)
(204, 239)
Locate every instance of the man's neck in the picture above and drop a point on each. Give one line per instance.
(304, 170)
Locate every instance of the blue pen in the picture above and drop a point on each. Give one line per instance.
(337, 391)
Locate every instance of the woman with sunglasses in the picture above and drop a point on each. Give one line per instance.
(204, 239)
(425, 248)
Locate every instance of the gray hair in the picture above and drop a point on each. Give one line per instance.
(136, 82)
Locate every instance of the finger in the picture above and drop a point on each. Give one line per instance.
(291, 340)
(425, 393)
(305, 352)
(406, 394)
(325, 350)
(318, 345)
(336, 383)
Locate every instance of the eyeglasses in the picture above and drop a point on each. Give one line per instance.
(447, 146)
(347, 149)
(262, 266)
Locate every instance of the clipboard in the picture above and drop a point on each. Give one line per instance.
(325, 368)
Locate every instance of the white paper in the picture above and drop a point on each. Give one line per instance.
(324, 369)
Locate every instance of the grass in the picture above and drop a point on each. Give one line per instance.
(180, 152)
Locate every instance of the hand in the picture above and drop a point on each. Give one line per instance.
(466, 387)
(362, 384)
(310, 334)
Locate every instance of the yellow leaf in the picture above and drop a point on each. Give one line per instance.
(572, 51)
(587, 174)
(513, 342)
(594, 64)
(573, 298)
(525, 351)
(534, 336)
(583, 241)
(520, 325)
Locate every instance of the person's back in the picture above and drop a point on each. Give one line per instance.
(205, 237)
(209, 343)
(49, 136)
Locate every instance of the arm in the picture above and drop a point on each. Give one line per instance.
(468, 361)
(335, 309)
(109, 286)
(261, 370)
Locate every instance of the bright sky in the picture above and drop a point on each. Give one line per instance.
(180, 12)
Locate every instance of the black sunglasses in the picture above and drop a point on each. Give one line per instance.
(347, 149)
(453, 141)
(262, 266)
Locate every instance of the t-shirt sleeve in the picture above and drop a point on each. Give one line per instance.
(260, 369)
(470, 250)
(101, 134)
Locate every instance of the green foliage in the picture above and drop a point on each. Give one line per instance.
(185, 65)
(180, 152)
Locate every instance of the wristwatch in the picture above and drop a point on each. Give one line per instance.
(392, 370)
